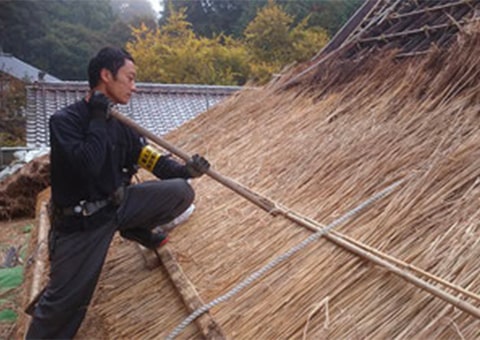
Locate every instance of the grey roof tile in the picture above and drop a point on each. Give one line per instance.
(159, 108)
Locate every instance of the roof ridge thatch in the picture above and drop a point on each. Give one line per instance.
(407, 28)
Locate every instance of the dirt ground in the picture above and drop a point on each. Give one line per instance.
(13, 234)
(16, 234)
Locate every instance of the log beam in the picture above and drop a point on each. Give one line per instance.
(192, 300)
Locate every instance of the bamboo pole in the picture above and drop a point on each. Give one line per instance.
(276, 209)
(412, 54)
(431, 9)
(414, 31)
(256, 199)
(344, 243)
(36, 289)
(352, 24)
(40, 264)
(206, 323)
(400, 263)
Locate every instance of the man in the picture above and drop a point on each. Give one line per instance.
(93, 157)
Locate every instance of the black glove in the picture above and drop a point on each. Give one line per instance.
(197, 166)
(99, 106)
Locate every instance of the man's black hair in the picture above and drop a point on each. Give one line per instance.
(111, 58)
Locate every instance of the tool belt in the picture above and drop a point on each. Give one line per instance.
(86, 208)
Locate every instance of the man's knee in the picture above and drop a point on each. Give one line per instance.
(183, 193)
(179, 195)
(187, 190)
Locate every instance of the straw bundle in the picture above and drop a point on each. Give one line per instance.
(18, 191)
(321, 148)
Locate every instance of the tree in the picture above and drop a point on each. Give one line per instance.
(173, 54)
(135, 12)
(12, 104)
(328, 14)
(268, 35)
(273, 42)
(210, 18)
(231, 17)
(58, 37)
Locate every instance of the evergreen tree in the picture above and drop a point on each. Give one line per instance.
(231, 17)
(328, 14)
(60, 38)
(210, 17)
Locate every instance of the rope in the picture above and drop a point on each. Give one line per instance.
(257, 274)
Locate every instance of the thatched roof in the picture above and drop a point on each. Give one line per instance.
(409, 28)
(18, 191)
(321, 148)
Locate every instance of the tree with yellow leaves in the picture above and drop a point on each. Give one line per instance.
(273, 43)
(173, 54)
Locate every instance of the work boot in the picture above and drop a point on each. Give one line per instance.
(145, 237)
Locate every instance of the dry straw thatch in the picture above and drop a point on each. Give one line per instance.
(18, 191)
(321, 148)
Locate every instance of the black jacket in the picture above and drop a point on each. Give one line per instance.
(91, 158)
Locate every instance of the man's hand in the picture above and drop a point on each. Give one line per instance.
(99, 106)
(197, 166)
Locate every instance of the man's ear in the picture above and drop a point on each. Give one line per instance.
(105, 75)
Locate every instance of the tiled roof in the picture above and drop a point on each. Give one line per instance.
(157, 107)
(23, 71)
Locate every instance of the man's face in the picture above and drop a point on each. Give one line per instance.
(120, 88)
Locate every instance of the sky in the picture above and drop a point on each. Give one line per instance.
(155, 5)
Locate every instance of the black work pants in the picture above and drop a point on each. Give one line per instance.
(77, 257)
